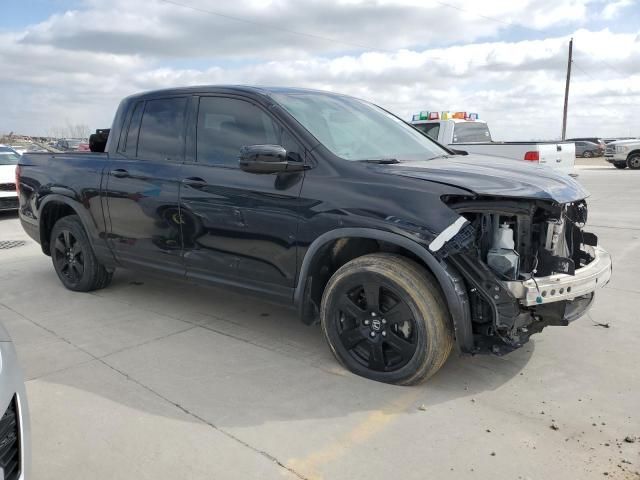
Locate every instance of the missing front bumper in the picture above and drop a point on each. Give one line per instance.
(557, 287)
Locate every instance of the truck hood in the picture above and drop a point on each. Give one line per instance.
(486, 175)
(7, 173)
(624, 142)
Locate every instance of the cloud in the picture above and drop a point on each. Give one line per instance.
(283, 28)
(612, 9)
(79, 64)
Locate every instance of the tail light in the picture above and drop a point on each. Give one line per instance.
(532, 156)
(18, 179)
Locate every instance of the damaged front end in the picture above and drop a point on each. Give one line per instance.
(527, 264)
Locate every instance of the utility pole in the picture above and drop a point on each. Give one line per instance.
(566, 91)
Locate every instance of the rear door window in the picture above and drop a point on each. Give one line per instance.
(162, 130)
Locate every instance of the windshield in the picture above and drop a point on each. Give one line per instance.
(471, 132)
(8, 157)
(357, 130)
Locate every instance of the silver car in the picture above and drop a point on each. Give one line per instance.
(15, 434)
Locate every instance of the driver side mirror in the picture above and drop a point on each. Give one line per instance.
(268, 159)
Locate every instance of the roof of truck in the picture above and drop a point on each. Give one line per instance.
(454, 120)
(251, 89)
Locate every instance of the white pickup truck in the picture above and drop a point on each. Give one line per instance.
(623, 154)
(464, 131)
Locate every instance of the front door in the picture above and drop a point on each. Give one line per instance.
(239, 228)
(143, 183)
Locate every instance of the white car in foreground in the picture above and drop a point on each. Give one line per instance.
(15, 432)
(8, 195)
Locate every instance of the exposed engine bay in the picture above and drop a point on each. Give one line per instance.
(528, 263)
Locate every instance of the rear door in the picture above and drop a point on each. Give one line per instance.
(143, 185)
(238, 227)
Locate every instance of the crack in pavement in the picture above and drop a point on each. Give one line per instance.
(162, 397)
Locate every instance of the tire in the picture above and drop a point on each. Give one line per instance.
(619, 165)
(587, 154)
(633, 162)
(73, 258)
(404, 337)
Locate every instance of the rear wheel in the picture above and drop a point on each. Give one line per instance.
(384, 318)
(587, 154)
(633, 162)
(620, 165)
(73, 258)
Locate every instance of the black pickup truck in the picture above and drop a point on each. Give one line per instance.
(398, 246)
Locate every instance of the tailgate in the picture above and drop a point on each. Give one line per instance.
(559, 156)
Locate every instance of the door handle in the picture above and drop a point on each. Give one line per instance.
(119, 173)
(195, 182)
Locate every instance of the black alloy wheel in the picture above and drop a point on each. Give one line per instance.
(384, 318)
(73, 257)
(375, 325)
(68, 256)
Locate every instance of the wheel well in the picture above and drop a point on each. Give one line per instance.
(333, 255)
(632, 153)
(52, 212)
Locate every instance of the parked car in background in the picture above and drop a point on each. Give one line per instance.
(19, 149)
(83, 147)
(68, 144)
(463, 131)
(15, 432)
(588, 149)
(623, 154)
(8, 161)
(596, 140)
(399, 247)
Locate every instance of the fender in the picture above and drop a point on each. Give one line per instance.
(448, 277)
(98, 242)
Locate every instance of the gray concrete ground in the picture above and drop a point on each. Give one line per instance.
(155, 379)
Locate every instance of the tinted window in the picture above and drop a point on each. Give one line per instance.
(431, 129)
(162, 129)
(226, 124)
(131, 140)
(470, 132)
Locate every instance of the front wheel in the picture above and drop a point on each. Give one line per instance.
(384, 318)
(73, 259)
(633, 162)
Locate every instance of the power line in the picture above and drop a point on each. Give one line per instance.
(520, 26)
(361, 45)
(268, 26)
(578, 67)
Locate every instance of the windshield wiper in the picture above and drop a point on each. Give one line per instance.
(440, 156)
(381, 161)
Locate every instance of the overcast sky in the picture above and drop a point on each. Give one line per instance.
(73, 60)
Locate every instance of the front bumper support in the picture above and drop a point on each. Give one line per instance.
(561, 286)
